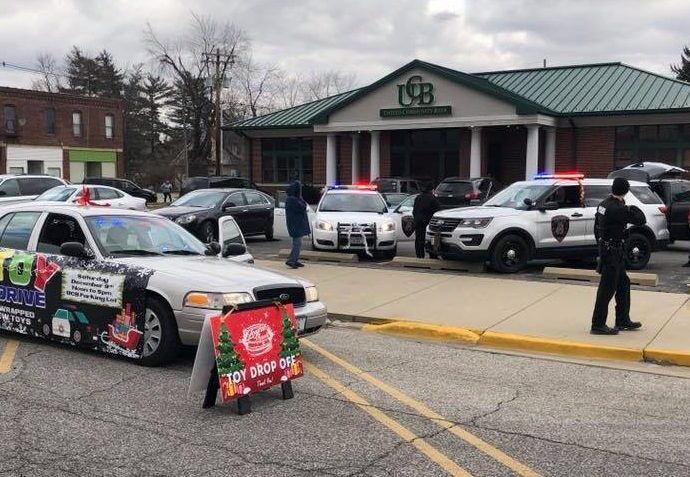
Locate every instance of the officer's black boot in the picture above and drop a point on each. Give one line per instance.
(603, 330)
(628, 325)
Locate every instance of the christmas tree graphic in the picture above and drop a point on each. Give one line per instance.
(228, 361)
(290, 346)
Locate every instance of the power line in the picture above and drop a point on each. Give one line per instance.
(27, 69)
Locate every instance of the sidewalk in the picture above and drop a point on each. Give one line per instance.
(533, 316)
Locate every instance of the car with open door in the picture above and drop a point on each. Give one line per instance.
(185, 279)
(200, 210)
(231, 241)
(402, 216)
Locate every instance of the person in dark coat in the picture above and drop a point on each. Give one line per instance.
(610, 228)
(425, 206)
(297, 222)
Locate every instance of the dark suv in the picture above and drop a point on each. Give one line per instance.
(216, 182)
(125, 185)
(457, 192)
(405, 185)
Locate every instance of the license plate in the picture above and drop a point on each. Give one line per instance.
(357, 240)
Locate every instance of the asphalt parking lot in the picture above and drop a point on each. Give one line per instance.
(421, 408)
(667, 264)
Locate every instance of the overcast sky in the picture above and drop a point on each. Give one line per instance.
(367, 37)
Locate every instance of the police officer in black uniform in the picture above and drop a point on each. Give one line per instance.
(425, 206)
(610, 226)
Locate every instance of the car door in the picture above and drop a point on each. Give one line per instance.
(260, 211)
(236, 205)
(594, 195)
(229, 233)
(566, 226)
(17, 229)
(402, 216)
(678, 211)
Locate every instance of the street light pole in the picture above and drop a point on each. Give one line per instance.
(218, 80)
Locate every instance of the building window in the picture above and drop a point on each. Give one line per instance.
(77, 124)
(49, 121)
(54, 171)
(284, 159)
(109, 125)
(93, 169)
(668, 143)
(34, 167)
(10, 118)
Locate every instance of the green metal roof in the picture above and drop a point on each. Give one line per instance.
(603, 88)
(296, 117)
(592, 89)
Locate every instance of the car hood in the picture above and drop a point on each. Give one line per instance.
(211, 274)
(476, 212)
(352, 217)
(178, 211)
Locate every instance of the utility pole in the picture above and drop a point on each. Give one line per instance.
(221, 60)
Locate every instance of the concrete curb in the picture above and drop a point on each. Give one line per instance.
(518, 342)
(317, 256)
(636, 278)
(425, 330)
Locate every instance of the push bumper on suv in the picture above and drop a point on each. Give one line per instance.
(347, 239)
(310, 318)
(444, 237)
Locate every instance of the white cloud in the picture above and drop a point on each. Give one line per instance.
(369, 38)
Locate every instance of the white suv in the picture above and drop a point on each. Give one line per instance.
(354, 220)
(552, 217)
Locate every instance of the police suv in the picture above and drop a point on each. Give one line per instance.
(549, 217)
(354, 219)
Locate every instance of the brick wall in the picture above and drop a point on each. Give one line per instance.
(319, 159)
(511, 144)
(594, 149)
(344, 159)
(255, 159)
(30, 108)
(364, 156)
(385, 154)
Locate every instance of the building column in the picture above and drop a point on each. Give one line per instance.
(331, 162)
(532, 156)
(355, 158)
(476, 152)
(550, 152)
(375, 156)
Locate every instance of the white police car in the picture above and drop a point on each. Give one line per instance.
(549, 217)
(354, 219)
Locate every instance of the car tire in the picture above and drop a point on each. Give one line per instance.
(161, 341)
(638, 251)
(269, 232)
(510, 254)
(207, 231)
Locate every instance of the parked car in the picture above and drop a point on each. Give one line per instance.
(544, 218)
(458, 192)
(188, 281)
(667, 182)
(14, 188)
(101, 195)
(355, 220)
(215, 182)
(407, 185)
(200, 210)
(125, 185)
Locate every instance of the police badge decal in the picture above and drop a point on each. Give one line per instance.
(407, 223)
(560, 225)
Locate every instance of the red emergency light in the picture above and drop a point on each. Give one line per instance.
(560, 175)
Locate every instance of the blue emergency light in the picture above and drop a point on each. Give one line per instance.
(566, 175)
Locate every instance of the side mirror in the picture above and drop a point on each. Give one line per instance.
(212, 249)
(549, 206)
(528, 202)
(2, 192)
(75, 250)
(234, 249)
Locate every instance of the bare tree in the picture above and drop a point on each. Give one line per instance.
(186, 62)
(256, 86)
(290, 92)
(327, 83)
(50, 73)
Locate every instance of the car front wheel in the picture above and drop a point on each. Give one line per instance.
(160, 334)
(510, 254)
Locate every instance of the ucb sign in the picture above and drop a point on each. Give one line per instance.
(415, 92)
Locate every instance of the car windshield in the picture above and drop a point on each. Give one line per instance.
(455, 188)
(353, 203)
(205, 198)
(393, 199)
(515, 195)
(57, 194)
(122, 235)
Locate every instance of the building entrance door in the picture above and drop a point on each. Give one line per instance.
(426, 154)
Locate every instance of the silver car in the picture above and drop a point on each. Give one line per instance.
(187, 283)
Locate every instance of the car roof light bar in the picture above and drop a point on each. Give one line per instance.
(568, 175)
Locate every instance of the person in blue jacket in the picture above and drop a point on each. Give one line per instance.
(297, 222)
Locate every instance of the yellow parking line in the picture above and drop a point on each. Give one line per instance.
(8, 356)
(517, 467)
(408, 436)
